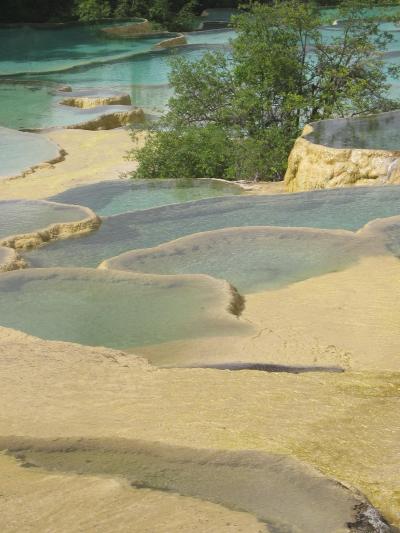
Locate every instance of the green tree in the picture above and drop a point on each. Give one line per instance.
(283, 71)
(160, 11)
(92, 10)
(190, 153)
(185, 19)
(124, 8)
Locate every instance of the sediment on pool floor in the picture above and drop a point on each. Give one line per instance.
(279, 490)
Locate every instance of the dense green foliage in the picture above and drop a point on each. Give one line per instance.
(252, 105)
(90, 10)
(170, 13)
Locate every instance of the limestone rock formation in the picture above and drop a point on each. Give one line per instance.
(315, 166)
(86, 102)
(110, 121)
(10, 260)
(178, 40)
(62, 230)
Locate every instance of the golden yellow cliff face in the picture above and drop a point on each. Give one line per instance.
(314, 166)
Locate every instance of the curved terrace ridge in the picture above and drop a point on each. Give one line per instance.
(283, 493)
(60, 221)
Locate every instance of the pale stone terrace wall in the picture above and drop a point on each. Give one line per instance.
(314, 166)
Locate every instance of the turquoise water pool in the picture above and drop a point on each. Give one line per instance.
(210, 37)
(116, 197)
(348, 209)
(33, 49)
(83, 57)
(252, 259)
(151, 68)
(24, 216)
(19, 151)
(39, 105)
(118, 310)
(36, 104)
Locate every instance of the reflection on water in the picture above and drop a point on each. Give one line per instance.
(375, 132)
(116, 197)
(337, 209)
(117, 310)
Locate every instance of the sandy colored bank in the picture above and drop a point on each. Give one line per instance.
(91, 156)
(345, 425)
(36, 500)
(349, 319)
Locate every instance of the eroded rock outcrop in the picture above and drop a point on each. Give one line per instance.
(110, 121)
(315, 166)
(178, 40)
(56, 231)
(86, 102)
(10, 260)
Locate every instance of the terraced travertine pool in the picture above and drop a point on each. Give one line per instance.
(269, 247)
(374, 132)
(36, 150)
(26, 216)
(348, 209)
(118, 197)
(174, 261)
(175, 228)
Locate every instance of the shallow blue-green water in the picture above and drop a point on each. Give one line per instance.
(116, 197)
(24, 216)
(39, 105)
(118, 310)
(251, 259)
(331, 209)
(29, 49)
(83, 57)
(210, 37)
(151, 68)
(36, 104)
(19, 151)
